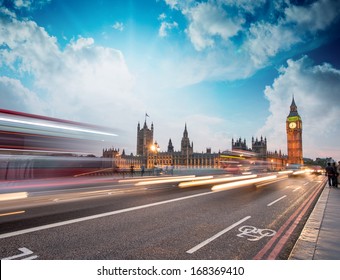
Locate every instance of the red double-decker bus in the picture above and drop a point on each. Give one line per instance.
(33, 146)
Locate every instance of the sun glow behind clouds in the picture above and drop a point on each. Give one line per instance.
(175, 45)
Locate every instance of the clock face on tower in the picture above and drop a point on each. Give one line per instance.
(292, 125)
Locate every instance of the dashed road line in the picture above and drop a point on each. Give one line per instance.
(202, 244)
(277, 200)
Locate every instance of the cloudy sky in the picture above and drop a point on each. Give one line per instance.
(226, 68)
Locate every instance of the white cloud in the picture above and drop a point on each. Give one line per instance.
(252, 34)
(266, 39)
(246, 5)
(30, 4)
(22, 3)
(118, 26)
(208, 22)
(6, 12)
(165, 27)
(315, 91)
(162, 16)
(317, 16)
(83, 82)
(172, 3)
(14, 96)
(29, 45)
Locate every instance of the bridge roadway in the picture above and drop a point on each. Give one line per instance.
(101, 218)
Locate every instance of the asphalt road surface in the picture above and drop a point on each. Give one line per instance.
(134, 219)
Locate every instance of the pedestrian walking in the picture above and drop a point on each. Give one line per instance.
(142, 170)
(132, 170)
(172, 169)
(330, 174)
(335, 176)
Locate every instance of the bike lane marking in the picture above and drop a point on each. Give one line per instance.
(207, 241)
(282, 234)
(255, 234)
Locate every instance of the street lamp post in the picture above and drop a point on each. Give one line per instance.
(155, 149)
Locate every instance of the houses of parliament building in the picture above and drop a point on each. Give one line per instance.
(149, 155)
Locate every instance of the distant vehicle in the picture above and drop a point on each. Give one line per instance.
(317, 169)
(294, 167)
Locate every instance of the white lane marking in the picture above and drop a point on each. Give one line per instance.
(282, 197)
(297, 189)
(78, 220)
(202, 244)
(25, 252)
(30, 257)
(306, 183)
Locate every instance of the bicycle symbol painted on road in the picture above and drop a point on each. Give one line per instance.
(254, 234)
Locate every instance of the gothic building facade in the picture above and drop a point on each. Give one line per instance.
(258, 153)
(258, 146)
(185, 157)
(144, 139)
(149, 155)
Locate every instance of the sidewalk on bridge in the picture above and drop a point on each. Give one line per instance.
(320, 238)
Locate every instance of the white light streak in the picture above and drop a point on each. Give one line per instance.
(285, 172)
(171, 180)
(12, 196)
(78, 129)
(154, 178)
(214, 181)
(233, 185)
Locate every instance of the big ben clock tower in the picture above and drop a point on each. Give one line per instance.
(294, 135)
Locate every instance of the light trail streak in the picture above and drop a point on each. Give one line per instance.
(214, 181)
(285, 172)
(13, 196)
(58, 126)
(272, 181)
(299, 172)
(12, 213)
(154, 178)
(172, 180)
(243, 183)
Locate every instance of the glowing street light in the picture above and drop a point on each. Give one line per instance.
(155, 149)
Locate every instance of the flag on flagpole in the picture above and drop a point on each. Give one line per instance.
(146, 115)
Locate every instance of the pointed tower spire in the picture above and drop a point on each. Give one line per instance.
(170, 147)
(293, 109)
(185, 133)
